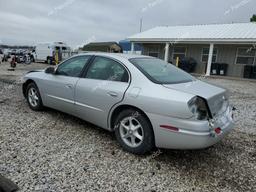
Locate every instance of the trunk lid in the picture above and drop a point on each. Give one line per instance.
(215, 96)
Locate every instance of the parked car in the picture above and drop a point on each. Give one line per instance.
(6, 55)
(20, 57)
(145, 101)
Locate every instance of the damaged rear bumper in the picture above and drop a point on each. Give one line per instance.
(190, 134)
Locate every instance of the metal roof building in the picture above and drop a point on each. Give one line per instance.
(215, 39)
(126, 46)
(111, 47)
(237, 32)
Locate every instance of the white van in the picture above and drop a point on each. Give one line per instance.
(44, 52)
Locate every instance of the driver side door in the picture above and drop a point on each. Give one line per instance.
(59, 88)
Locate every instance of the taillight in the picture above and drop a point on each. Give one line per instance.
(218, 130)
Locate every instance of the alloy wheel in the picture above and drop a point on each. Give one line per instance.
(131, 132)
(33, 97)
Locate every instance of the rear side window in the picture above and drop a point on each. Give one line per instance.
(107, 69)
(161, 72)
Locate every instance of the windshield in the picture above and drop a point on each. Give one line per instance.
(161, 72)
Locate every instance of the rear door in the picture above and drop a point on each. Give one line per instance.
(59, 88)
(103, 86)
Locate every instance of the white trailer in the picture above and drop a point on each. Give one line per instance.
(45, 52)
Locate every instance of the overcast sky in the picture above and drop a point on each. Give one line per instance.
(81, 21)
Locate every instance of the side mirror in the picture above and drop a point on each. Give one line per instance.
(50, 70)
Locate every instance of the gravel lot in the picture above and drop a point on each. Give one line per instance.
(52, 151)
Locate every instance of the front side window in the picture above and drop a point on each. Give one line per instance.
(107, 69)
(245, 56)
(179, 52)
(161, 72)
(205, 55)
(73, 67)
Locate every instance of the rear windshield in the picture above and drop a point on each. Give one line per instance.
(161, 72)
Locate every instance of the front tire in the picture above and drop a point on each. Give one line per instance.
(33, 97)
(134, 132)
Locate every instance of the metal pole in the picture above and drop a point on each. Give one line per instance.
(132, 47)
(166, 55)
(209, 63)
(141, 22)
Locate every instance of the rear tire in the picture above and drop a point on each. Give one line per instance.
(134, 132)
(33, 97)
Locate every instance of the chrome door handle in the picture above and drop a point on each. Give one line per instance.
(112, 94)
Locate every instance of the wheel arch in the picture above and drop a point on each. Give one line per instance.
(123, 107)
(25, 85)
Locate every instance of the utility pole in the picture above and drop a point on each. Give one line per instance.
(141, 22)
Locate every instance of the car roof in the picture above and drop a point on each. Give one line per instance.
(115, 55)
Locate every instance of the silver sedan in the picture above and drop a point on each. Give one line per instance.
(147, 103)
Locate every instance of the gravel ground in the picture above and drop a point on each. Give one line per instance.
(52, 151)
(20, 71)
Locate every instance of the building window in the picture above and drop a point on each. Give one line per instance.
(245, 56)
(205, 55)
(179, 52)
(153, 54)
